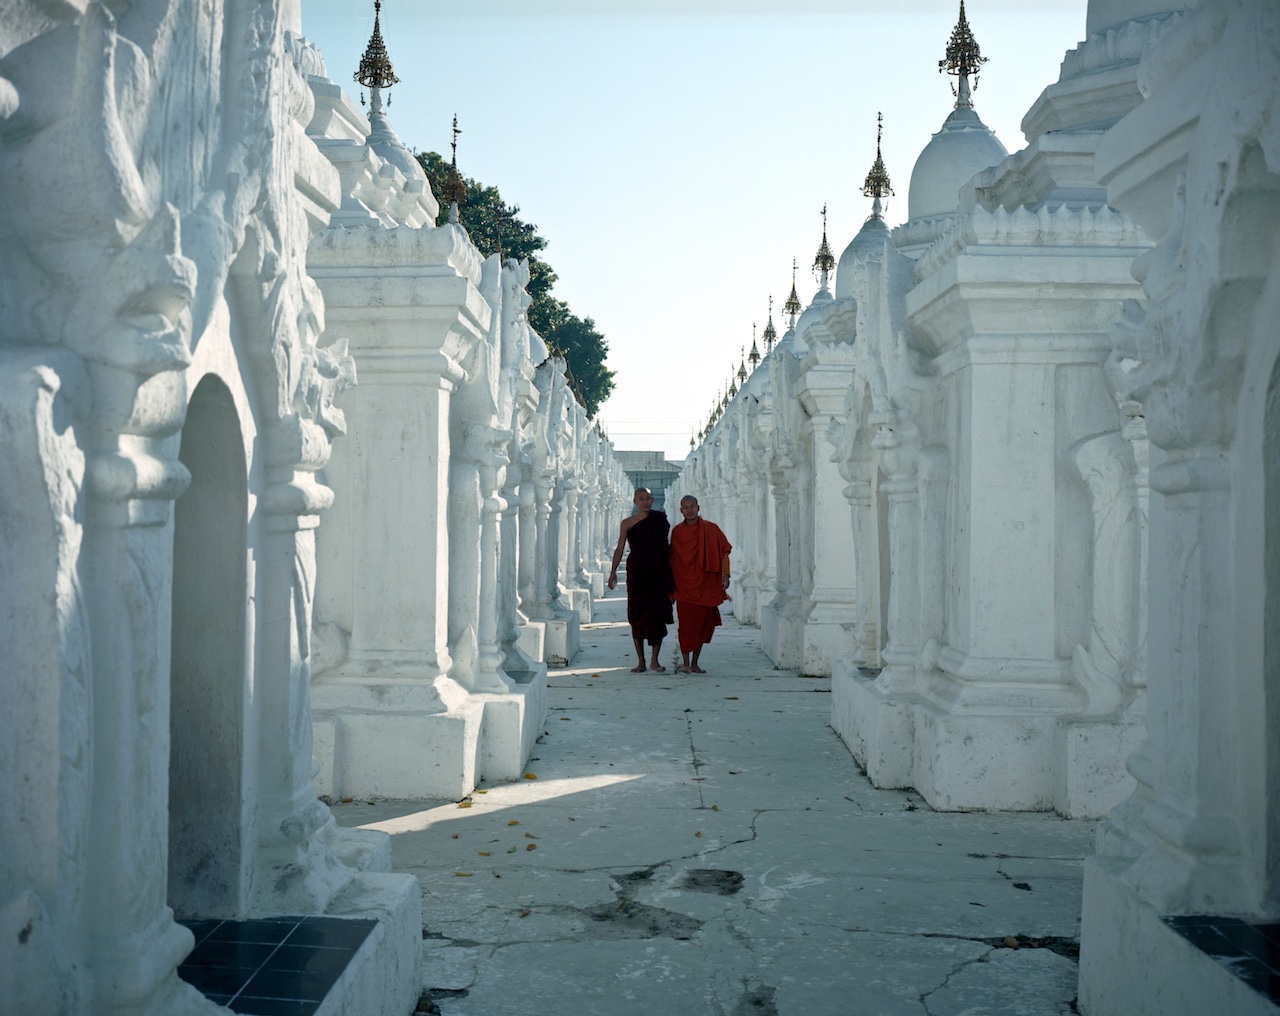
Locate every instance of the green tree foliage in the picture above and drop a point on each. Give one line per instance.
(494, 225)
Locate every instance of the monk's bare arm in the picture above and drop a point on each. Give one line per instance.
(617, 551)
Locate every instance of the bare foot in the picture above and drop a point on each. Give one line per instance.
(696, 670)
(682, 669)
(658, 667)
(638, 670)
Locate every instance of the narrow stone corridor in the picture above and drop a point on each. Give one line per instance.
(707, 846)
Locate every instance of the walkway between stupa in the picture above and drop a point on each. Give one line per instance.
(706, 845)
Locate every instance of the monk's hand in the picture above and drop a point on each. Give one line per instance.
(725, 579)
(613, 580)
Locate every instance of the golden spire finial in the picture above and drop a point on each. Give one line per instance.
(825, 263)
(792, 307)
(963, 58)
(877, 182)
(457, 189)
(753, 357)
(742, 360)
(375, 71)
(771, 333)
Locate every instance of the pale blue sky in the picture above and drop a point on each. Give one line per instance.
(677, 155)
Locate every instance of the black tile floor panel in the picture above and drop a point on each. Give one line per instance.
(1250, 951)
(276, 966)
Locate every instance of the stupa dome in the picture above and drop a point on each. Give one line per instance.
(964, 146)
(872, 237)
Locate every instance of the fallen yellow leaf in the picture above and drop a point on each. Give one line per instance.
(464, 804)
(464, 874)
(525, 913)
(697, 834)
(566, 718)
(530, 776)
(514, 821)
(530, 846)
(484, 853)
(530, 836)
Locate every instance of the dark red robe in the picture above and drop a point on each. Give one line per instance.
(649, 582)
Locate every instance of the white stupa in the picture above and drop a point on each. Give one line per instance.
(964, 146)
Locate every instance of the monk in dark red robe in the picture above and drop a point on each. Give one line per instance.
(649, 582)
(700, 565)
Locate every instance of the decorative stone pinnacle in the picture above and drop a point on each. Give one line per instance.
(753, 357)
(375, 71)
(742, 362)
(877, 182)
(792, 307)
(825, 263)
(963, 58)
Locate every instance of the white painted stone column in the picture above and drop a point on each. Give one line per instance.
(390, 717)
(1201, 835)
(45, 400)
(562, 624)
(577, 587)
(530, 526)
(867, 648)
(826, 373)
(896, 441)
(130, 486)
(782, 622)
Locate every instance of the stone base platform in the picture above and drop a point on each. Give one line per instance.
(782, 637)
(416, 754)
(532, 640)
(1132, 963)
(579, 601)
(563, 638)
(983, 761)
(511, 725)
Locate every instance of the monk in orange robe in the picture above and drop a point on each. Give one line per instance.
(700, 565)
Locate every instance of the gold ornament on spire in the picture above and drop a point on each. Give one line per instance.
(375, 69)
(792, 307)
(753, 357)
(771, 333)
(877, 182)
(825, 263)
(963, 58)
(457, 189)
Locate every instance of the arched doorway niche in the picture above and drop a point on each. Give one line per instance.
(207, 856)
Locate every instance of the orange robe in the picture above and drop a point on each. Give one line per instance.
(697, 552)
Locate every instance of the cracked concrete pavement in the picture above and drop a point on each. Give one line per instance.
(706, 845)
